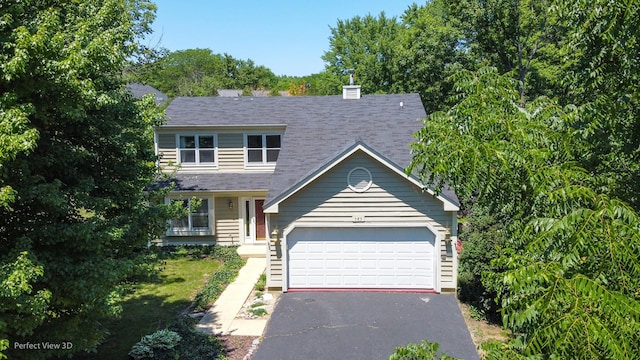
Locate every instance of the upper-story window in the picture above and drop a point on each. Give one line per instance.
(197, 149)
(262, 149)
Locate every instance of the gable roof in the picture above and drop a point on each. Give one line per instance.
(447, 197)
(318, 128)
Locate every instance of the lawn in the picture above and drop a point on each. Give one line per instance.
(155, 304)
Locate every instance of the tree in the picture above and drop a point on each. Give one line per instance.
(604, 79)
(323, 83)
(431, 52)
(516, 36)
(369, 46)
(571, 289)
(200, 72)
(566, 176)
(78, 155)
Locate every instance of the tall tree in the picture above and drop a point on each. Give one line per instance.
(571, 288)
(604, 78)
(521, 37)
(78, 155)
(431, 51)
(369, 45)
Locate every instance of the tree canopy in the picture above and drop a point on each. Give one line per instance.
(558, 173)
(199, 72)
(75, 158)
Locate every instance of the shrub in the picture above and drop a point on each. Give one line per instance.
(479, 279)
(258, 311)
(158, 345)
(179, 341)
(262, 282)
(425, 350)
(257, 304)
(196, 345)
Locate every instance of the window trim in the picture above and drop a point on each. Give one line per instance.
(264, 163)
(191, 231)
(197, 163)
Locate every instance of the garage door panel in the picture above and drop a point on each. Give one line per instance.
(361, 258)
(350, 248)
(350, 264)
(387, 264)
(405, 248)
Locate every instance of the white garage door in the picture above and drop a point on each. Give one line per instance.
(375, 258)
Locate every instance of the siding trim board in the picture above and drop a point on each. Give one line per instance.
(273, 204)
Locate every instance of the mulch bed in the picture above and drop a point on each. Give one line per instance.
(237, 346)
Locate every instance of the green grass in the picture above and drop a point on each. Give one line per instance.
(156, 304)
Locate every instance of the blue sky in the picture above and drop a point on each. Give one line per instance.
(287, 36)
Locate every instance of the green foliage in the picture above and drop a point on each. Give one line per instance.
(23, 308)
(523, 38)
(258, 311)
(262, 282)
(431, 52)
(196, 345)
(170, 287)
(178, 341)
(484, 236)
(221, 278)
(76, 154)
(247, 91)
(604, 78)
(156, 345)
(199, 72)
(571, 274)
(369, 46)
(424, 351)
(257, 304)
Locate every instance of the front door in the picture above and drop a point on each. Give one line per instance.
(261, 224)
(254, 223)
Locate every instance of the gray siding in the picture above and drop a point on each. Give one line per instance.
(390, 199)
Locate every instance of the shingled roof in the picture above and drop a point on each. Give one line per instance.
(317, 127)
(140, 90)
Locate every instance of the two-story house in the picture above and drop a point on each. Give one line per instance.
(317, 182)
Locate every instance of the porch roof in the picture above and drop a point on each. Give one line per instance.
(220, 182)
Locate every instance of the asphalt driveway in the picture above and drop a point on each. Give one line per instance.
(362, 325)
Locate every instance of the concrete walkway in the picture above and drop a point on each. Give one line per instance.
(220, 319)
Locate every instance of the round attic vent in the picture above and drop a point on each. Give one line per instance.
(359, 179)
